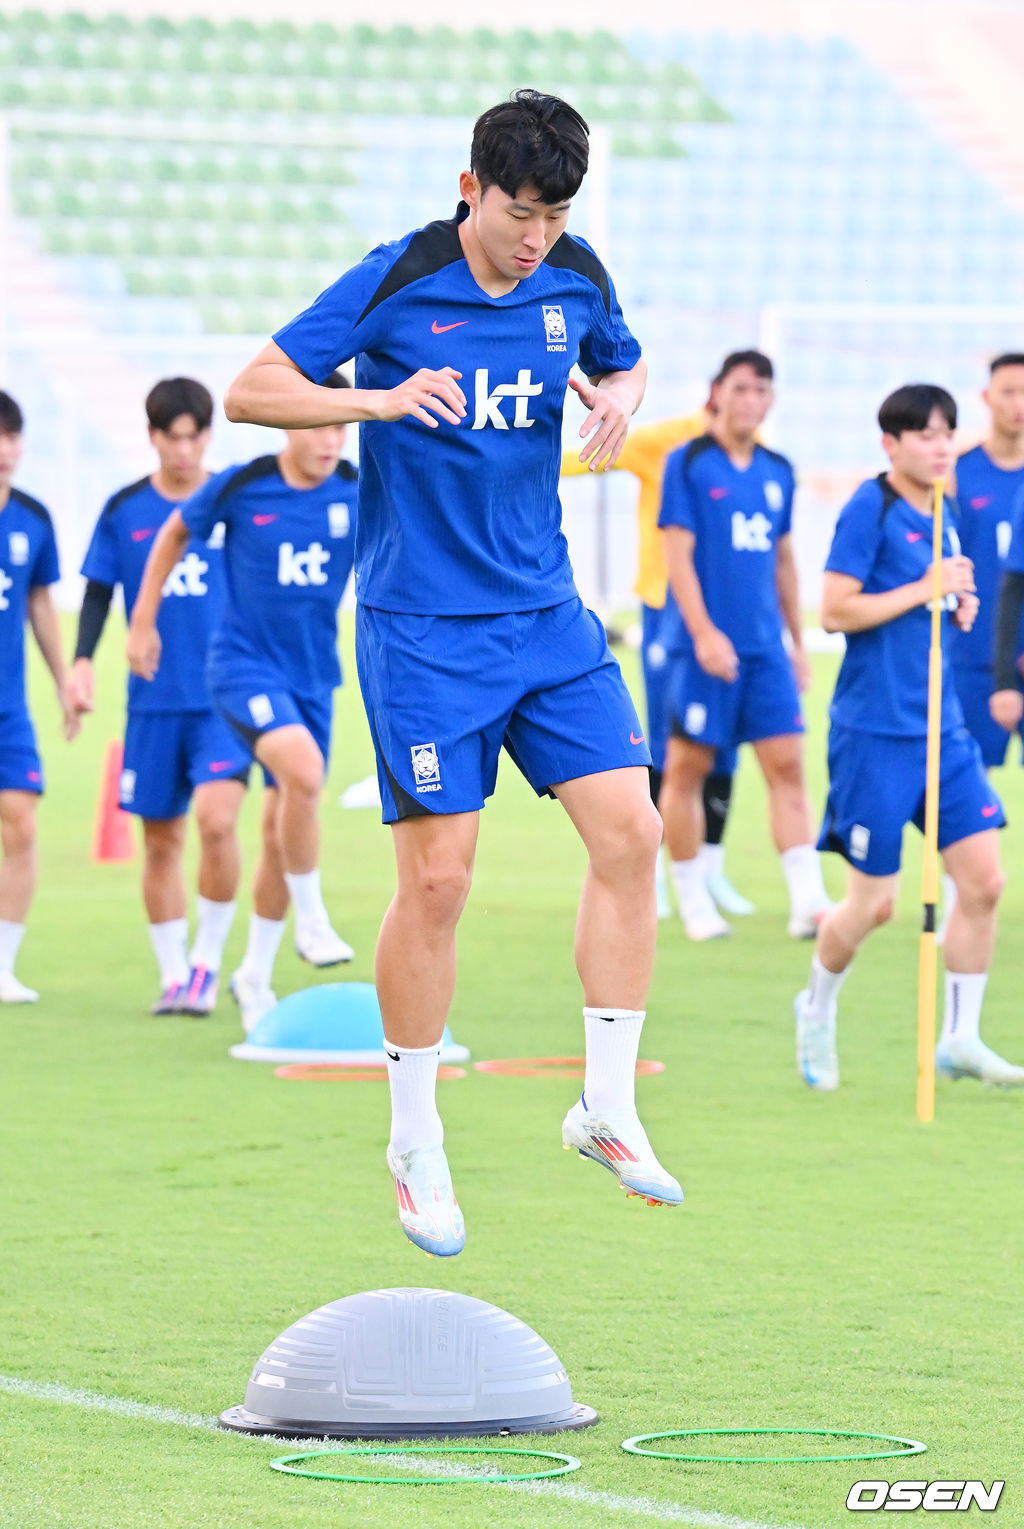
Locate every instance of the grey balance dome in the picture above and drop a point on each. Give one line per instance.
(407, 1363)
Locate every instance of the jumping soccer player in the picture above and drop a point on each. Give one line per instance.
(644, 454)
(289, 524)
(176, 748)
(727, 505)
(878, 583)
(470, 633)
(28, 566)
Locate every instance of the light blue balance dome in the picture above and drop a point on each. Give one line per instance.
(335, 1022)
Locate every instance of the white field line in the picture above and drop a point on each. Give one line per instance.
(610, 1502)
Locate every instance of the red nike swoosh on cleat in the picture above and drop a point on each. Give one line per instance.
(989, 812)
(263, 520)
(437, 328)
(140, 536)
(221, 764)
(914, 536)
(634, 739)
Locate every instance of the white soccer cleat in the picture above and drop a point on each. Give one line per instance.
(427, 1207)
(805, 922)
(13, 991)
(320, 945)
(816, 1058)
(973, 1059)
(726, 898)
(706, 924)
(253, 1001)
(618, 1141)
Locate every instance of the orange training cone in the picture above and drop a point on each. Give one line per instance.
(113, 838)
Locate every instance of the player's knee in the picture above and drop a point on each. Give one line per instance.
(18, 827)
(216, 826)
(440, 886)
(628, 844)
(981, 893)
(164, 842)
(883, 909)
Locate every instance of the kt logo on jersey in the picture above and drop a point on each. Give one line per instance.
(489, 402)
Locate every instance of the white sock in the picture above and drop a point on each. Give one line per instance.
(412, 1073)
(261, 949)
(822, 991)
(213, 928)
(712, 858)
(304, 888)
(802, 870)
(691, 890)
(613, 1040)
(10, 939)
(169, 941)
(964, 994)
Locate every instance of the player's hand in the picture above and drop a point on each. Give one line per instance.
(72, 721)
(426, 391)
(81, 686)
(966, 613)
(143, 651)
(801, 669)
(716, 655)
(1006, 707)
(956, 577)
(606, 424)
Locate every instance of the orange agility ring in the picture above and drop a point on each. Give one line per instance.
(555, 1066)
(350, 1072)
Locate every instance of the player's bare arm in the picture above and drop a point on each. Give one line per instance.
(612, 401)
(43, 619)
(788, 586)
(846, 608)
(713, 649)
(143, 645)
(1006, 703)
(272, 390)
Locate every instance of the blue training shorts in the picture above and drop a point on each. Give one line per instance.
(657, 662)
(762, 702)
(443, 694)
(251, 711)
(974, 686)
(167, 754)
(21, 769)
(876, 787)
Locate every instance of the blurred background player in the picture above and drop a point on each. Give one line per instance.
(28, 566)
(289, 528)
(727, 505)
(176, 748)
(989, 480)
(471, 634)
(644, 454)
(878, 583)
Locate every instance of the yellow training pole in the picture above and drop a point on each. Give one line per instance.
(928, 958)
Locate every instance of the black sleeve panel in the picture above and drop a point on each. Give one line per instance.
(1008, 614)
(92, 617)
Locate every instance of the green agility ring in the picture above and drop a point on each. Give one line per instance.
(634, 1446)
(286, 1463)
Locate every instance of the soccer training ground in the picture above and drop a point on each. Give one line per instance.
(167, 1211)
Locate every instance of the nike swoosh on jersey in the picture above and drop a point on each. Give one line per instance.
(914, 536)
(437, 328)
(981, 502)
(221, 764)
(718, 493)
(140, 536)
(634, 739)
(263, 520)
(989, 812)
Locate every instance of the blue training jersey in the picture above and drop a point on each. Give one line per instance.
(882, 686)
(28, 559)
(287, 558)
(737, 516)
(193, 594)
(464, 519)
(986, 495)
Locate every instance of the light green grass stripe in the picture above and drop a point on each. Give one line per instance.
(611, 1502)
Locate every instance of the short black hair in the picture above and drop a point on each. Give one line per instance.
(175, 396)
(755, 359)
(1009, 358)
(336, 380)
(531, 140)
(12, 421)
(910, 408)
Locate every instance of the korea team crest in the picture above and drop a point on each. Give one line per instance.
(17, 543)
(554, 326)
(773, 494)
(426, 767)
(338, 519)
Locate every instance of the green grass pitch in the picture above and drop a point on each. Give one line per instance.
(167, 1211)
